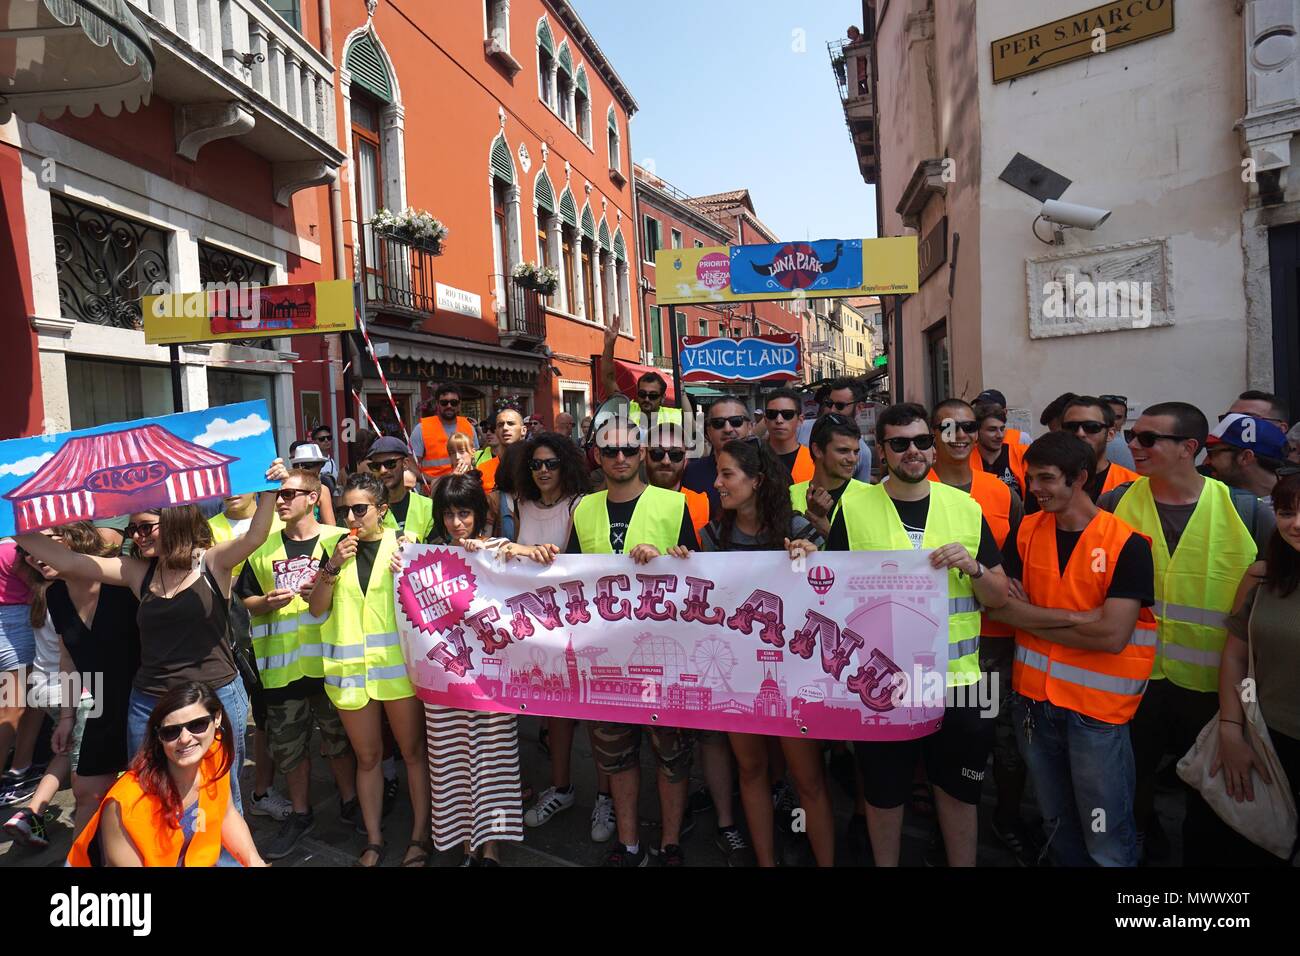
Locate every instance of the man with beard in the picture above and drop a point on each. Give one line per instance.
(666, 464)
(726, 419)
(409, 513)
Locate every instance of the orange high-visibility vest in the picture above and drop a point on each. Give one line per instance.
(488, 472)
(994, 499)
(697, 502)
(1096, 684)
(437, 459)
(1015, 461)
(161, 842)
(803, 466)
(1116, 475)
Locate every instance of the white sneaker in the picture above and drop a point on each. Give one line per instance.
(602, 819)
(271, 804)
(551, 802)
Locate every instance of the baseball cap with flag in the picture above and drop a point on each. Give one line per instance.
(1247, 431)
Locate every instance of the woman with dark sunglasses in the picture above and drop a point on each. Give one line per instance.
(174, 806)
(365, 671)
(183, 581)
(757, 515)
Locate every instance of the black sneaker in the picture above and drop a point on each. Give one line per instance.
(391, 788)
(732, 843)
(701, 801)
(619, 856)
(350, 812)
(1021, 841)
(671, 855)
(18, 787)
(785, 803)
(292, 829)
(28, 829)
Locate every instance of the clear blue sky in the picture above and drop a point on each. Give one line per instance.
(727, 102)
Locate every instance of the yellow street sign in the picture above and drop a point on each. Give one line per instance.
(1094, 31)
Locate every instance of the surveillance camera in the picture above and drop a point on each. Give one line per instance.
(1072, 214)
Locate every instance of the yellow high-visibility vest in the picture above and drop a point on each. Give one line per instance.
(656, 520)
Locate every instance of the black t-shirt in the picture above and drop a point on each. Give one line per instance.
(913, 514)
(1135, 573)
(249, 586)
(620, 516)
(788, 459)
(399, 510)
(1001, 470)
(367, 551)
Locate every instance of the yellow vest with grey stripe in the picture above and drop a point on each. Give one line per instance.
(419, 518)
(362, 650)
(286, 641)
(799, 497)
(1195, 587)
(872, 523)
(656, 520)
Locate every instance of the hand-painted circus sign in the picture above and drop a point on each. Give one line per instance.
(788, 270)
(841, 647)
(247, 310)
(112, 470)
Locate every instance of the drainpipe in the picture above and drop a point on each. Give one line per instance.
(333, 343)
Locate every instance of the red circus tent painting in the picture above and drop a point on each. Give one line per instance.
(115, 473)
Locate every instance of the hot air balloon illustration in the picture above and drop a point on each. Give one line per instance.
(821, 578)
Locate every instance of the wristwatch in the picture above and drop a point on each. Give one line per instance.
(980, 568)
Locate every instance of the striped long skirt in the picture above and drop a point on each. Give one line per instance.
(473, 777)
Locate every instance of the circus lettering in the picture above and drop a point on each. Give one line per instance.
(766, 608)
(875, 681)
(540, 604)
(606, 602)
(453, 653)
(696, 605)
(653, 605)
(575, 608)
(493, 638)
(128, 477)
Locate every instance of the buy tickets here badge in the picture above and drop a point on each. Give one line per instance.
(436, 590)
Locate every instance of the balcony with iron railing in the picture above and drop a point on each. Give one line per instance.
(522, 324)
(236, 68)
(397, 276)
(851, 63)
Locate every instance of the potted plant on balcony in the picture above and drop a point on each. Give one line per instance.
(543, 279)
(415, 227)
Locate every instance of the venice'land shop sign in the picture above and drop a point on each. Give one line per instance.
(232, 310)
(1089, 33)
(451, 299)
(782, 271)
(832, 647)
(758, 358)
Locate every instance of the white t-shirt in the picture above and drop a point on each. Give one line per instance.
(43, 679)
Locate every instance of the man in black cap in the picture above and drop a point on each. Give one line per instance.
(991, 396)
(409, 513)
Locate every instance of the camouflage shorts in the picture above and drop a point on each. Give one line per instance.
(996, 655)
(289, 724)
(618, 748)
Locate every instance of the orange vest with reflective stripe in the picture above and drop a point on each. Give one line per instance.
(160, 842)
(994, 499)
(488, 471)
(437, 460)
(803, 466)
(697, 502)
(1098, 684)
(1116, 475)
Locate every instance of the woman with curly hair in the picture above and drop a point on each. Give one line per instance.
(753, 488)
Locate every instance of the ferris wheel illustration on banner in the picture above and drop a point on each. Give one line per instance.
(714, 661)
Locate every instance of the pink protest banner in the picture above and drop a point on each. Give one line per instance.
(847, 646)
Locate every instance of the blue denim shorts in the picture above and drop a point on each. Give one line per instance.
(17, 641)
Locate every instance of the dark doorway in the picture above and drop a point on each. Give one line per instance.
(1284, 264)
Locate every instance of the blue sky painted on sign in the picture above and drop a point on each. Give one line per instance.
(733, 96)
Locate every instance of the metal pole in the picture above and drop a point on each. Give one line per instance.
(178, 398)
(677, 369)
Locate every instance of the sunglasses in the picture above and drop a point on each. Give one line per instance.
(613, 451)
(388, 464)
(969, 428)
(288, 494)
(648, 396)
(142, 530)
(900, 445)
(675, 455)
(357, 511)
(838, 406)
(787, 414)
(168, 733)
(735, 421)
(1286, 471)
(449, 402)
(548, 464)
(318, 439)
(1148, 439)
(1092, 428)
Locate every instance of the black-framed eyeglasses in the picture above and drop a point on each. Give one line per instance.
(735, 421)
(674, 455)
(388, 464)
(645, 396)
(968, 428)
(449, 402)
(786, 414)
(899, 445)
(169, 733)
(613, 451)
(1148, 439)
(549, 464)
(144, 529)
(288, 494)
(1092, 428)
(357, 511)
(838, 406)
